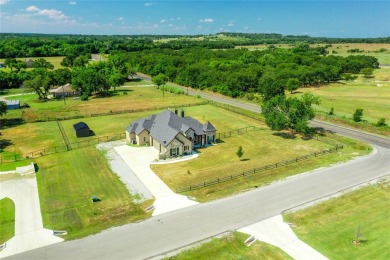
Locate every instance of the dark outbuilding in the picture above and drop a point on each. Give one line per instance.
(81, 129)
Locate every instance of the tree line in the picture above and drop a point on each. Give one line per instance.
(46, 45)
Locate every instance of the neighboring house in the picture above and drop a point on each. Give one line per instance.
(12, 104)
(64, 91)
(29, 63)
(171, 134)
(81, 129)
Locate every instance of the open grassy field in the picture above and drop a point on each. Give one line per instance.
(331, 226)
(67, 181)
(369, 49)
(372, 95)
(132, 97)
(7, 220)
(231, 247)
(261, 148)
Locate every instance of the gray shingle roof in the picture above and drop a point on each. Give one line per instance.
(165, 126)
(208, 127)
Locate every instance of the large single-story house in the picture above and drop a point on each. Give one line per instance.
(171, 134)
(64, 91)
(12, 104)
(81, 129)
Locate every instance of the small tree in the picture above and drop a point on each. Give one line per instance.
(240, 152)
(331, 112)
(160, 80)
(381, 122)
(357, 116)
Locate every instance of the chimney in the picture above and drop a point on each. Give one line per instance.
(182, 113)
(175, 110)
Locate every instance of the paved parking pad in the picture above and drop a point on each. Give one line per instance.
(139, 160)
(277, 233)
(29, 231)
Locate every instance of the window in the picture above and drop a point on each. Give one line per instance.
(186, 147)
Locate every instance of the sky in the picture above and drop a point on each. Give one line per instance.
(316, 18)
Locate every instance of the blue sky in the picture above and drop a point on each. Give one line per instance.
(327, 18)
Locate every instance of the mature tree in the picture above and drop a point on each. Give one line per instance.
(348, 77)
(90, 79)
(290, 113)
(240, 152)
(81, 61)
(116, 79)
(68, 61)
(62, 76)
(357, 116)
(40, 84)
(160, 80)
(3, 108)
(270, 87)
(367, 72)
(292, 84)
(42, 63)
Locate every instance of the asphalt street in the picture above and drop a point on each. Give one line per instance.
(173, 230)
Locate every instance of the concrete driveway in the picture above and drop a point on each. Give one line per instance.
(29, 231)
(139, 160)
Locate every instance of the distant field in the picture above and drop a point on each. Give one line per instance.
(53, 60)
(331, 226)
(342, 49)
(372, 95)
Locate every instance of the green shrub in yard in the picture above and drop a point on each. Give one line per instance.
(381, 122)
(84, 97)
(357, 116)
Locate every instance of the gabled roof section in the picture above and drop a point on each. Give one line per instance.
(208, 127)
(165, 126)
(80, 125)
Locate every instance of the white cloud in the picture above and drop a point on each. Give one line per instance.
(50, 13)
(72, 3)
(230, 24)
(149, 4)
(246, 28)
(207, 20)
(32, 8)
(163, 21)
(3, 2)
(120, 18)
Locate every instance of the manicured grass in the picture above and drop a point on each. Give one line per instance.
(7, 220)
(261, 148)
(136, 98)
(231, 247)
(331, 226)
(66, 183)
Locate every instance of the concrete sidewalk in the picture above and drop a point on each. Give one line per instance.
(275, 232)
(139, 160)
(29, 231)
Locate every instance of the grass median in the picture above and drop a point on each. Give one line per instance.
(231, 247)
(7, 220)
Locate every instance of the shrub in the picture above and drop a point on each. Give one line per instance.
(84, 97)
(331, 112)
(357, 116)
(381, 122)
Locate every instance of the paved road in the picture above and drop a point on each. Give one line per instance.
(185, 226)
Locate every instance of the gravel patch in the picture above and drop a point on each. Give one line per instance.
(126, 175)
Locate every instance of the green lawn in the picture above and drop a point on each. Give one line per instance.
(331, 226)
(7, 220)
(66, 183)
(231, 247)
(261, 148)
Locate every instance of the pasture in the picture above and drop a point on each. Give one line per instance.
(331, 226)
